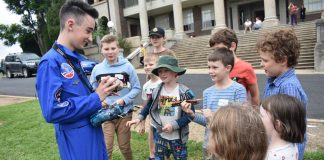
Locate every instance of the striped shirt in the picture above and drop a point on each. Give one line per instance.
(289, 84)
(214, 98)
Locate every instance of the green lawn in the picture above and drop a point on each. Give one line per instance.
(25, 135)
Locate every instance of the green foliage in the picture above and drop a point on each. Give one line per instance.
(53, 21)
(318, 155)
(10, 33)
(124, 44)
(33, 19)
(102, 27)
(28, 43)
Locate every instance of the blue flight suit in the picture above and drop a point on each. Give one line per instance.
(68, 104)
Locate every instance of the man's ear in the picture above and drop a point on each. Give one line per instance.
(69, 24)
(233, 46)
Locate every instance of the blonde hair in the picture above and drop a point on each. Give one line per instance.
(109, 39)
(151, 57)
(237, 132)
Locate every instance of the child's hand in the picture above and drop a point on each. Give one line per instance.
(167, 128)
(207, 113)
(120, 102)
(132, 122)
(186, 107)
(141, 128)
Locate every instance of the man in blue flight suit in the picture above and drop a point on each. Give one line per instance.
(65, 95)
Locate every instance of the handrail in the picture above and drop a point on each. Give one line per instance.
(136, 51)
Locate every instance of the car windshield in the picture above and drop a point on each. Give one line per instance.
(28, 56)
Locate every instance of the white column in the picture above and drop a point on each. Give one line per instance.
(178, 19)
(235, 17)
(219, 9)
(283, 12)
(114, 15)
(143, 20)
(270, 13)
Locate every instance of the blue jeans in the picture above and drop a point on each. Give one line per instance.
(293, 19)
(164, 146)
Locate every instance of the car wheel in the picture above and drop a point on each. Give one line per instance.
(25, 73)
(8, 73)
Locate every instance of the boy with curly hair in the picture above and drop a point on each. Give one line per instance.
(279, 51)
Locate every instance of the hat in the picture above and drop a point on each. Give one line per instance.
(157, 31)
(169, 62)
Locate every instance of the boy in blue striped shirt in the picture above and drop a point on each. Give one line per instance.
(279, 51)
(225, 90)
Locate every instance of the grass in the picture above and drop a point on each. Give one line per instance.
(24, 135)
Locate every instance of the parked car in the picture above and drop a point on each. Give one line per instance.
(88, 65)
(2, 66)
(24, 64)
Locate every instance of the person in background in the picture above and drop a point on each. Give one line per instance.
(242, 71)
(142, 53)
(157, 39)
(258, 24)
(302, 13)
(293, 10)
(117, 66)
(247, 25)
(279, 51)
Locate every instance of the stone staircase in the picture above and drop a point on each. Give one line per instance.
(192, 52)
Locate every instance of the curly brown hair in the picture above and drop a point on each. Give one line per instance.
(283, 44)
(225, 36)
(237, 132)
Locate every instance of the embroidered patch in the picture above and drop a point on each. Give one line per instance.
(57, 94)
(63, 104)
(155, 29)
(67, 71)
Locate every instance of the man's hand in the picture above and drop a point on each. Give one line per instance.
(106, 87)
(186, 107)
(167, 128)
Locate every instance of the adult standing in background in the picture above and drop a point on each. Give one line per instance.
(65, 94)
(293, 10)
(302, 13)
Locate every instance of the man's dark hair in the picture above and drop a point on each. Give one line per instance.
(222, 54)
(76, 9)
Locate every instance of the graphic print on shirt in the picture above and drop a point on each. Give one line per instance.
(67, 71)
(148, 92)
(166, 105)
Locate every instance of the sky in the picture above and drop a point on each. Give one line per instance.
(7, 17)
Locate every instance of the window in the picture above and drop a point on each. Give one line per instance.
(130, 3)
(208, 16)
(314, 5)
(162, 21)
(188, 21)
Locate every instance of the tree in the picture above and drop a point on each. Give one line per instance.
(15, 32)
(33, 18)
